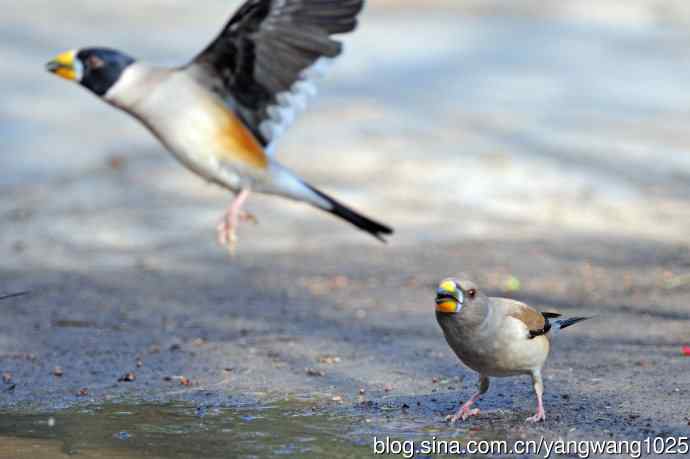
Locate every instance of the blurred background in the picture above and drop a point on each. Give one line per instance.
(541, 147)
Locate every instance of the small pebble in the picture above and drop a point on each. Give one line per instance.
(315, 372)
(129, 377)
(117, 162)
(122, 436)
(329, 359)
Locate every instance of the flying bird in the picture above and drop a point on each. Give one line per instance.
(496, 337)
(221, 114)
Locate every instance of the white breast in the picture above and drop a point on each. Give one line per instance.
(175, 108)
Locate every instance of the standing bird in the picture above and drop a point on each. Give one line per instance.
(221, 114)
(495, 337)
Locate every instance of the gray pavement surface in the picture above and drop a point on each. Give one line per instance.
(549, 146)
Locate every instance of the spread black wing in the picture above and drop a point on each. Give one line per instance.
(261, 56)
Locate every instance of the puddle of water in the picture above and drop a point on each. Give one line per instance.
(178, 431)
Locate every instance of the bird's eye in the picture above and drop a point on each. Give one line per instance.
(95, 62)
(472, 293)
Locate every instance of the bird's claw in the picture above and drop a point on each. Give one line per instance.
(469, 413)
(462, 415)
(227, 232)
(540, 416)
(227, 236)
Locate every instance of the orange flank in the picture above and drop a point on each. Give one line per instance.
(237, 142)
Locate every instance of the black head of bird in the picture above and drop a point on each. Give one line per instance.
(97, 69)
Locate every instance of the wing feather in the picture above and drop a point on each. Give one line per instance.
(536, 323)
(260, 62)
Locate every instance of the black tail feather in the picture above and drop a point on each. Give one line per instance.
(13, 295)
(376, 229)
(550, 315)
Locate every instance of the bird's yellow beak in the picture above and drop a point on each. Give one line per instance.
(64, 65)
(448, 297)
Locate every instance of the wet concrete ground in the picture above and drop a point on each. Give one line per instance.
(506, 146)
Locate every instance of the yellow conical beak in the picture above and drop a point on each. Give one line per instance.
(447, 297)
(63, 65)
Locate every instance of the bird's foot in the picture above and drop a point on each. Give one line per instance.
(540, 416)
(463, 414)
(227, 236)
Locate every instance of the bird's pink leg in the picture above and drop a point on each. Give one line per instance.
(227, 227)
(466, 411)
(539, 392)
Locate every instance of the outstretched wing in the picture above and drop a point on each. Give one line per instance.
(262, 60)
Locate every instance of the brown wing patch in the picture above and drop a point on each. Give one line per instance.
(237, 143)
(531, 318)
